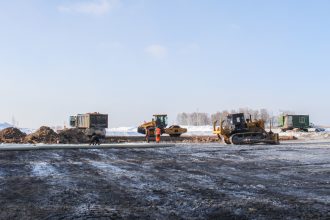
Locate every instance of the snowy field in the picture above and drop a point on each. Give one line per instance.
(188, 181)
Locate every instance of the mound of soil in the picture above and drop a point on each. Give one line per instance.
(72, 136)
(43, 135)
(12, 135)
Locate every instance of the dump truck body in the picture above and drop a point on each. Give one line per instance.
(90, 123)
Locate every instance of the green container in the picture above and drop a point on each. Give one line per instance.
(281, 121)
(294, 121)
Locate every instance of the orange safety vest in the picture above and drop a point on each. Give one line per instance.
(158, 133)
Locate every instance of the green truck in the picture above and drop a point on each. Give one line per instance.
(290, 122)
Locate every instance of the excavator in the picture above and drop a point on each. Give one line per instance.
(160, 121)
(234, 129)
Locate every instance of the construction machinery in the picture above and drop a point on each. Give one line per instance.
(160, 121)
(92, 124)
(234, 129)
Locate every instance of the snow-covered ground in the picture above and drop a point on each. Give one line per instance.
(123, 131)
(307, 135)
(132, 131)
(199, 130)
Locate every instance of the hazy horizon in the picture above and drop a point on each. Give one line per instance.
(134, 58)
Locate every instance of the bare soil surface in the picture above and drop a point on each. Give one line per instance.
(188, 181)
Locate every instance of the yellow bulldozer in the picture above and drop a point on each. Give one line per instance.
(234, 129)
(160, 121)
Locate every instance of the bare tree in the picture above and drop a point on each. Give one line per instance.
(216, 116)
(219, 115)
(195, 118)
(264, 114)
(201, 118)
(182, 118)
(286, 112)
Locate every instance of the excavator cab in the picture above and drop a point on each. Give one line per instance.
(161, 121)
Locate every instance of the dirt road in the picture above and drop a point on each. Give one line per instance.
(189, 181)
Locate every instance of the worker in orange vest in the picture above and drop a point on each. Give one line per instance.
(158, 133)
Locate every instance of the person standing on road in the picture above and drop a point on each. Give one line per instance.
(147, 134)
(95, 140)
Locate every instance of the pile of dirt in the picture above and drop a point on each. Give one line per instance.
(12, 135)
(44, 135)
(72, 136)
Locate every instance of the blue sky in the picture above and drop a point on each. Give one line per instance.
(133, 58)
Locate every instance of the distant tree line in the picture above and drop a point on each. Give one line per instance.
(202, 118)
(195, 118)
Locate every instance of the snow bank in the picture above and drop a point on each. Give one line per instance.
(5, 125)
(198, 130)
(307, 135)
(132, 131)
(123, 131)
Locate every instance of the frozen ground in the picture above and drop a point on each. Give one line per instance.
(288, 181)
